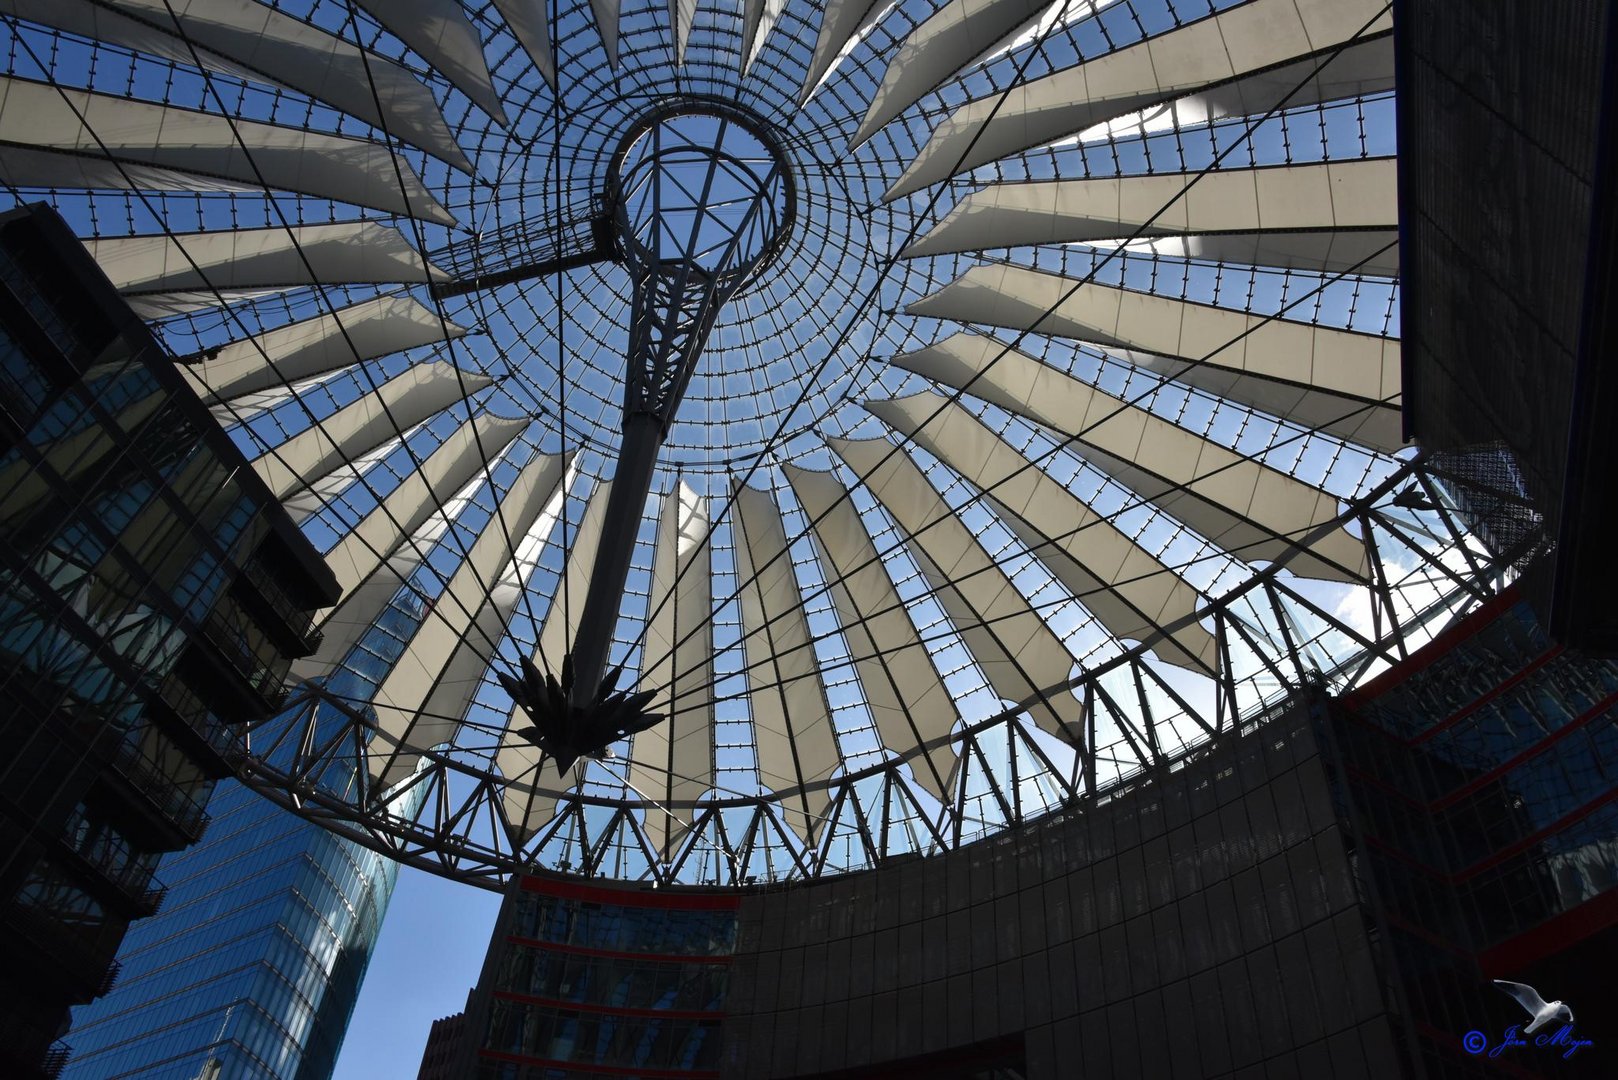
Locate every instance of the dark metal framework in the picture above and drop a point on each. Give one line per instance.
(1140, 717)
(695, 220)
(786, 359)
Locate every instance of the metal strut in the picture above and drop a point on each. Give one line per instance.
(692, 224)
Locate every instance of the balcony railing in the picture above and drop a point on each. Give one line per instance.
(163, 794)
(187, 706)
(69, 954)
(299, 620)
(264, 681)
(116, 863)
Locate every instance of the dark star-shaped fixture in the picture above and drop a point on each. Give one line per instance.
(565, 731)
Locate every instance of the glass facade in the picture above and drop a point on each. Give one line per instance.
(1480, 775)
(135, 628)
(257, 961)
(583, 980)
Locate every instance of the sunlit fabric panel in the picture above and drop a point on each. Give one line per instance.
(795, 738)
(673, 761)
(682, 13)
(464, 622)
(758, 19)
(1132, 593)
(358, 427)
(163, 274)
(61, 137)
(1340, 381)
(907, 697)
(1333, 217)
(406, 508)
(606, 20)
(1242, 47)
(257, 43)
(530, 22)
(1251, 510)
(1018, 653)
(517, 759)
(244, 377)
(935, 50)
(441, 33)
(841, 22)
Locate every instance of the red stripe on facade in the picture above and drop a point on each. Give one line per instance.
(1506, 853)
(1595, 712)
(1435, 650)
(676, 899)
(610, 954)
(587, 1068)
(608, 1010)
(1534, 665)
(1551, 936)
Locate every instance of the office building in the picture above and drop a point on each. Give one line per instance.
(254, 966)
(154, 594)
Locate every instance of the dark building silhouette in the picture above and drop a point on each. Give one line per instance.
(616, 976)
(1508, 209)
(154, 593)
(1327, 893)
(446, 1045)
(1477, 780)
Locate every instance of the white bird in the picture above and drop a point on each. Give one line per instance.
(1541, 1010)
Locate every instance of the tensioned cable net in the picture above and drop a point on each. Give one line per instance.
(1002, 397)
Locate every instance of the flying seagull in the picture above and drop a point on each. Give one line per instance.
(1542, 1011)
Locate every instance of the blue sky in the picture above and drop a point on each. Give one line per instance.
(427, 958)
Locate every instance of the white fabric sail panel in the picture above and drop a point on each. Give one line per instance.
(842, 23)
(1372, 252)
(950, 39)
(311, 347)
(363, 604)
(674, 760)
(142, 135)
(530, 22)
(792, 723)
(758, 19)
(467, 605)
(467, 667)
(1253, 511)
(907, 697)
(441, 34)
(404, 400)
(1018, 653)
(682, 14)
(561, 623)
(259, 44)
(1312, 365)
(529, 795)
(1284, 215)
(345, 253)
(1133, 594)
(606, 13)
(1376, 426)
(405, 509)
(1240, 43)
(302, 505)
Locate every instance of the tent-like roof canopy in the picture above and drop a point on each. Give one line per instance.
(1059, 434)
